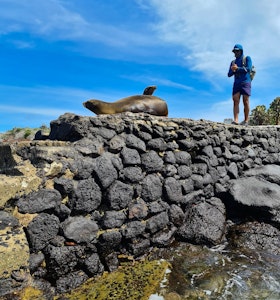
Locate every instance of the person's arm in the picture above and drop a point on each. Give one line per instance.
(230, 72)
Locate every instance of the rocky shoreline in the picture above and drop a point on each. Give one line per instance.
(98, 190)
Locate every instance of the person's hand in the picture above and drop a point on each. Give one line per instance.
(234, 67)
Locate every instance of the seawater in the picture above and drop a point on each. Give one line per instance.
(199, 272)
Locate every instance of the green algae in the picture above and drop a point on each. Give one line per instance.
(131, 281)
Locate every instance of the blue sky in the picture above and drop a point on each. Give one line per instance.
(55, 54)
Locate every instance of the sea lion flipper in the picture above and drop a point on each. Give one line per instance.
(149, 90)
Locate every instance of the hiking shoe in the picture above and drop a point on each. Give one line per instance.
(234, 123)
(244, 123)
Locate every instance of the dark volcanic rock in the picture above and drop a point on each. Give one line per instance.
(270, 173)
(204, 222)
(119, 195)
(255, 192)
(39, 201)
(257, 236)
(152, 162)
(255, 197)
(130, 157)
(113, 219)
(69, 127)
(70, 281)
(79, 229)
(173, 190)
(93, 265)
(86, 196)
(109, 240)
(41, 230)
(133, 229)
(151, 188)
(105, 171)
(157, 222)
(60, 260)
(7, 220)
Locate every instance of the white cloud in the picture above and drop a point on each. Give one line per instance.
(207, 30)
(158, 81)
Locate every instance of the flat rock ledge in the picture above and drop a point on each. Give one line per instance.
(100, 190)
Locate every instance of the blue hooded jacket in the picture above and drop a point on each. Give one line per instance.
(242, 74)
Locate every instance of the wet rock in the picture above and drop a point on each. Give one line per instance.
(79, 229)
(39, 201)
(256, 236)
(204, 222)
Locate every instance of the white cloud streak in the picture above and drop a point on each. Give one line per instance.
(208, 30)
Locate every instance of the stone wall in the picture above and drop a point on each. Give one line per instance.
(115, 187)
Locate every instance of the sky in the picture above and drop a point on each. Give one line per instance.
(56, 54)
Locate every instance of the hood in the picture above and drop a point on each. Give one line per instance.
(237, 47)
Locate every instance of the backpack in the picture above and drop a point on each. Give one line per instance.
(252, 71)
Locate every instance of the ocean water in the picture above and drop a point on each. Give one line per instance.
(199, 272)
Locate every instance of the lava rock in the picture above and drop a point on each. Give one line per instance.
(39, 201)
(41, 230)
(204, 222)
(79, 229)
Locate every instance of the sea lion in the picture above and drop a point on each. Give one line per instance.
(137, 104)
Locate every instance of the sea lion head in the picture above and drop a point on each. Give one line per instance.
(93, 105)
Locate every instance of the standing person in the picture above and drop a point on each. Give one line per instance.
(242, 83)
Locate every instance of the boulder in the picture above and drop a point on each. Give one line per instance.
(204, 222)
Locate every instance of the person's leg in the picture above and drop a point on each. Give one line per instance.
(246, 107)
(236, 100)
